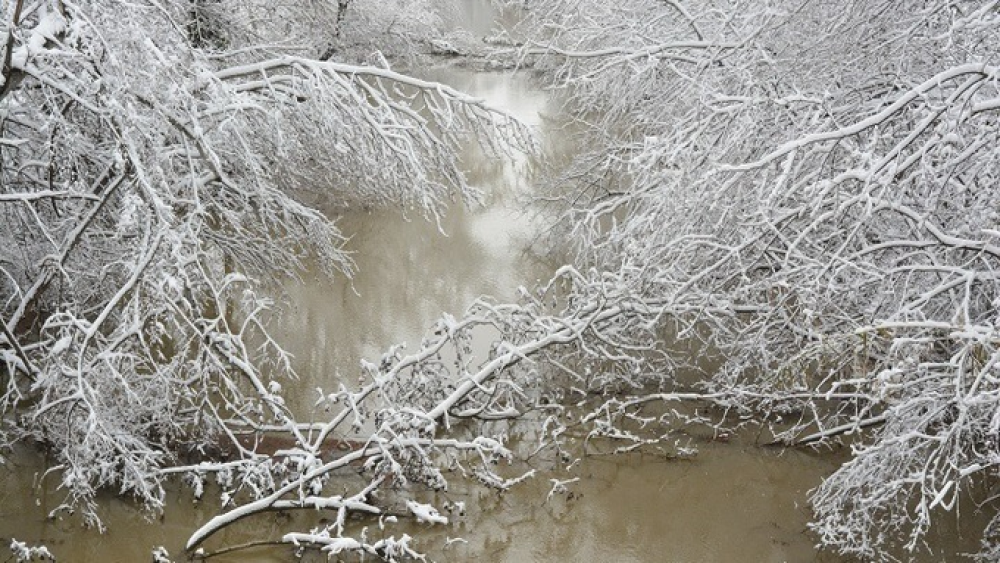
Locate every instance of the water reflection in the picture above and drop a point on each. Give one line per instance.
(726, 505)
(411, 270)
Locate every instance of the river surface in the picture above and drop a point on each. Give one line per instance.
(732, 502)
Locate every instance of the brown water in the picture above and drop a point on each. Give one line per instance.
(732, 502)
(410, 271)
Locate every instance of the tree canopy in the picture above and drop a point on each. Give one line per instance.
(804, 191)
(159, 164)
(812, 188)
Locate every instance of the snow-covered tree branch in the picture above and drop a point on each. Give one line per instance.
(783, 209)
(812, 186)
(160, 166)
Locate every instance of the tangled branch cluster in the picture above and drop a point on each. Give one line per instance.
(815, 186)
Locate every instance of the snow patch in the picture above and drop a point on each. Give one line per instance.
(426, 513)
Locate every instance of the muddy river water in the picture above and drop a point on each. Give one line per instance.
(732, 502)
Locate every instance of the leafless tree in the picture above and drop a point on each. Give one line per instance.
(156, 157)
(801, 190)
(810, 187)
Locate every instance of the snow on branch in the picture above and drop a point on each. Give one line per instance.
(829, 181)
(163, 169)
